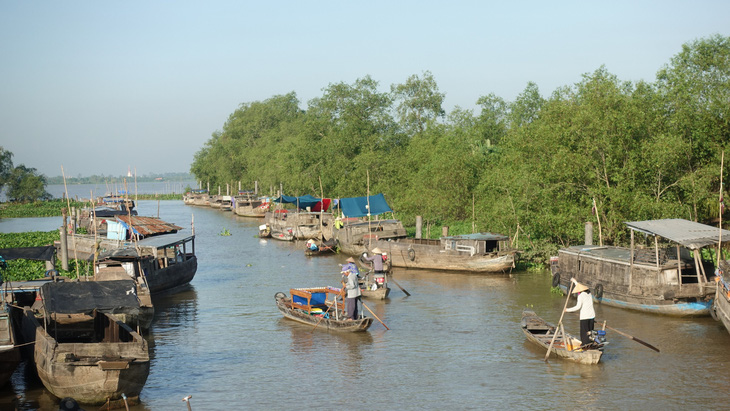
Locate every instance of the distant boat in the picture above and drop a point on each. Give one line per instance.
(310, 306)
(198, 197)
(247, 204)
(309, 219)
(670, 280)
(356, 232)
(479, 253)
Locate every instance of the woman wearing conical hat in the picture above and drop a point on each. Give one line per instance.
(587, 314)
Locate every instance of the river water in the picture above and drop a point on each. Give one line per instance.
(455, 343)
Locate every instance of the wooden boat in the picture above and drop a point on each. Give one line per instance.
(168, 262)
(310, 306)
(670, 280)
(9, 351)
(303, 225)
(94, 359)
(479, 253)
(197, 197)
(115, 267)
(226, 203)
(541, 333)
(357, 236)
(246, 204)
(377, 293)
(720, 310)
(323, 247)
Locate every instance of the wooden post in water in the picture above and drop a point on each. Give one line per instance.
(256, 187)
(419, 226)
(64, 241)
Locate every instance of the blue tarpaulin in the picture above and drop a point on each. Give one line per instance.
(301, 202)
(358, 206)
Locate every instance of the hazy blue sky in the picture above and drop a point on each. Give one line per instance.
(100, 86)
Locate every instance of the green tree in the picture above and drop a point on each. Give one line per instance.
(6, 166)
(419, 102)
(25, 184)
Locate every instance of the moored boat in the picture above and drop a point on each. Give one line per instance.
(542, 333)
(720, 310)
(671, 279)
(480, 252)
(247, 204)
(311, 306)
(93, 358)
(356, 232)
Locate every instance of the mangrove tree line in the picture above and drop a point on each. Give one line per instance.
(531, 168)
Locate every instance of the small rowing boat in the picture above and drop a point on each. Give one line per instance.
(541, 333)
(310, 306)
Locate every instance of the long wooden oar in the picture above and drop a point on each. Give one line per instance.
(634, 338)
(376, 317)
(557, 327)
(401, 288)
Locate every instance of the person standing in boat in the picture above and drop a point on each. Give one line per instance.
(352, 303)
(587, 315)
(378, 265)
(348, 268)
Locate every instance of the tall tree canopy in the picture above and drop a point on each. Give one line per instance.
(533, 166)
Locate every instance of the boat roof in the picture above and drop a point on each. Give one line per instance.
(690, 234)
(364, 206)
(118, 296)
(146, 226)
(44, 253)
(166, 240)
(478, 237)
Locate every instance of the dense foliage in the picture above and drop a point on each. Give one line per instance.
(21, 183)
(48, 208)
(18, 270)
(531, 168)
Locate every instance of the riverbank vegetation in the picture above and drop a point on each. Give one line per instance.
(47, 208)
(20, 270)
(530, 168)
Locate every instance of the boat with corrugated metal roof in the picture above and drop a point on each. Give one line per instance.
(664, 272)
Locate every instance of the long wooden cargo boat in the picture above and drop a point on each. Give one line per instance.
(199, 197)
(303, 225)
(93, 359)
(480, 253)
(671, 279)
(357, 236)
(566, 346)
(248, 205)
(310, 306)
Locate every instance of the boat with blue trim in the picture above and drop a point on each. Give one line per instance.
(663, 274)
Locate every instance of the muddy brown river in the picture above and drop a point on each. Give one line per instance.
(455, 343)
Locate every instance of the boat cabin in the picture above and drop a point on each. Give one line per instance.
(307, 299)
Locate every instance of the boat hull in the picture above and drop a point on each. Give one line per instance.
(89, 372)
(9, 352)
(378, 294)
(541, 333)
(173, 276)
(644, 287)
(330, 324)
(433, 257)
